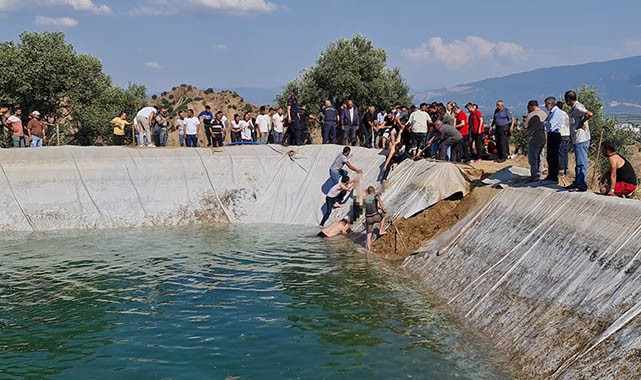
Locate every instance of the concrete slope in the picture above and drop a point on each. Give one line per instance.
(112, 187)
(553, 276)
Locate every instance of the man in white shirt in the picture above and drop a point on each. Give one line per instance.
(143, 119)
(564, 148)
(277, 122)
(180, 124)
(264, 124)
(420, 121)
(191, 129)
(580, 134)
(247, 127)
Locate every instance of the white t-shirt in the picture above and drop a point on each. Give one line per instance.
(246, 130)
(146, 112)
(263, 122)
(278, 122)
(191, 125)
(224, 120)
(180, 123)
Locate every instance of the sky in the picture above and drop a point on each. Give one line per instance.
(266, 43)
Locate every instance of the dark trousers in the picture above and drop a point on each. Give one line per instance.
(329, 133)
(366, 136)
(502, 141)
(564, 148)
(477, 138)
(464, 148)
(349, 135)
(554, 142)
(329, 205)
(451, 143)
(235, 137)
(119, 140)
(209, 136)
(191, 141)
(419, 140)
(217, 139)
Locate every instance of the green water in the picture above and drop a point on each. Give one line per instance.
(242, 302)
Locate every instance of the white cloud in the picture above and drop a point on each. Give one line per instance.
(460, 53)
(64, 22)
(76, 5)
(170, 7)
(221, 46)
(153, 65)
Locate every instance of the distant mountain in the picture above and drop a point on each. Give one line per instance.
(618, 83)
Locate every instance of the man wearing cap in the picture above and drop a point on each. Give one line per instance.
(36, 129)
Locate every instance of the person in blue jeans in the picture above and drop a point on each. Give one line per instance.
(580, 134)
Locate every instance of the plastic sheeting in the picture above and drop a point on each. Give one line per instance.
(554, 276)
(111, 187)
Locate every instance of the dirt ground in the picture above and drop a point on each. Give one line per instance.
(405, 236)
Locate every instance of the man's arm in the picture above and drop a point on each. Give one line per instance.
(354, 168)
(613, 174)
(587, 116)
(380, 203)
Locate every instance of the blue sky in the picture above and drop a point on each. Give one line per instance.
(265, 43)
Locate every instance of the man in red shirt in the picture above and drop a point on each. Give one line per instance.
(14, 122)
(476, 124)
(462, 124)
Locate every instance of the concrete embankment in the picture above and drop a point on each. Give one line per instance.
(115, 187)
(552, 276)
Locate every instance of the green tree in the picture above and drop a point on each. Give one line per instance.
(350, 68)
(43, 72)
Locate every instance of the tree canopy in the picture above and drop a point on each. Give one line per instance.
(42, 72)
(350, 68)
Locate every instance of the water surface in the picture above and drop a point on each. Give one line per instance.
(230, 302)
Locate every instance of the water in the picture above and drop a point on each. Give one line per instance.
(232, 302)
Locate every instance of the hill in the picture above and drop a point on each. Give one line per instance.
(186, 97)
(618, 82)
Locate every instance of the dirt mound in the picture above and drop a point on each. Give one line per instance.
(405, 236)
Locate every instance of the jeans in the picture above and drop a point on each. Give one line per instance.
(264, 136)
(554, 141)
(235, 137)
(19, 141)
(181, 139)
(329, 205)
(349, 135)
(581, 154)
(192, 141)
(337, 175)
(534, 150)
(208, 136)
(118, 140)
(278, 137)
(563, 153)
(36, 142)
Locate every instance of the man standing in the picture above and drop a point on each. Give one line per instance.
(277, 122)
(180, 124)
(553, 125)
(119, 123)
(368, 127)
(293, 117)
(336, 171)
(476, 129)
(37, 130)
(461, 122)
(419, 122)
(503, 122)
(565, 141)
(330, 122)
(206, 118)
(349, 120)
(374, 213)
(580, 134)
(144, 118)
(160, 123)
(236, 129)
(535, 127)
(264, 125)
(217, 128)
(14, 122)
(191, 129)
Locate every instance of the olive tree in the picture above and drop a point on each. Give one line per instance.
(350, 68)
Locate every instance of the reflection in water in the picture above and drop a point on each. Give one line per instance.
(253, 302)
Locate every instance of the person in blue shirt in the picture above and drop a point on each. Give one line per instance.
(206, 119)
(503, 124)
(553, 125)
